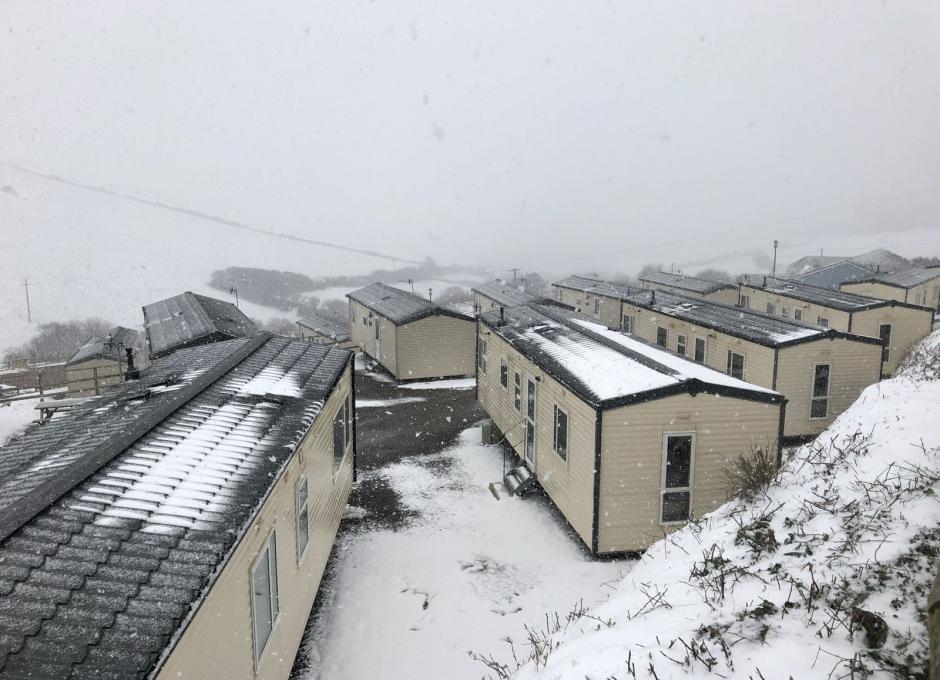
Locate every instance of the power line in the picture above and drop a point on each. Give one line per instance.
(206, 216)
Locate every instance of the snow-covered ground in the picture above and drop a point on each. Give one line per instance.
(16, 417)
(451, 384)
(766, 588)
(414, 602)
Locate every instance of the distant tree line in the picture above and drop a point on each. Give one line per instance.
(57, 341)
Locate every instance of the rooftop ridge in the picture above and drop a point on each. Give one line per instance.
(25, 508)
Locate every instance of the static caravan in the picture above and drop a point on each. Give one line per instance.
(102, 362)
(691, 286)
(499, 293)
(821, 371)
(915, 286)
(411, 337)
(189, 319)
(900, 325)
(834, 275)
(629, 441)
(183, 531)
(595, 298)
(325, 330)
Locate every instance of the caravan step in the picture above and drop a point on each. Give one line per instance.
(512, 483)
(522, 472)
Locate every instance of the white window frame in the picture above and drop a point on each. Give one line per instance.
(695, 340)
(730, 364)
(772, 308)
(662, 479)
(822, 321)
(504, 372)
(302, 482)
(482, 351)
(665, 343)
(517, 391)
(798, 313)
(558, 409)
(268, 551)
(886, 349)
(812, 391)
(628, 323)
(340, 414)
(682, 344)
(744, 301)
(785, 311)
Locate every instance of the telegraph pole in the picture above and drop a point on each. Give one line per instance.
(773, 272)
(29, 315)
(234, 291)
(514, 270)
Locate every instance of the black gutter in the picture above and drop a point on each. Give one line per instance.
(24, 509)
(595, 523)
(352, 388)
(476, 363)
(773, 380)
(783, 415)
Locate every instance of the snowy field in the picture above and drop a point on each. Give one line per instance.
(457, 578)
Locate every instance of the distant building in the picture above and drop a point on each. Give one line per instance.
(598, 299)
(691, 286)
(178, 526)
(325, 330)
(899, 325)
(629, 441)
(915, 286)
(834, 275)
(101, 362)
(499, 293)
(821, 371)
(411, 337)
(189, 319)
(880, 260)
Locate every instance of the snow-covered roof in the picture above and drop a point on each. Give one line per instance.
(826, 297)
(505, 294)
(882, 260)
(595, 286)
(329, 326)
(906, 279)
(747, 324)
(399, 306)
(115, 519)
(683, 282)
(607, 368)
(834, 275)
(111, 347)
(189, 319)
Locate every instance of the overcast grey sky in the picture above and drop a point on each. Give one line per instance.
(532, 134)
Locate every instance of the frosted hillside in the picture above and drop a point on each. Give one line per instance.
(824, 575)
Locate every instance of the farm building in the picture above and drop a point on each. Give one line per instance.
(915, 286)
(834, 275)
(691, 286)
(627, 440)
(498, 293)
(411, 337)
(178, 526)
(598, 299)
(898, 324)
(821, 371)
(325, 330)
(189, 319)
(101, 362)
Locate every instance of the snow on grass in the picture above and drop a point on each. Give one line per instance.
(454, 384)
(379, 403)
(793, 583)
(15, 417)
(414, 602)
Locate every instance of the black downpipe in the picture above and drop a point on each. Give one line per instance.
(595, 529)
(352, 387)
(783, 416)
(773, 383)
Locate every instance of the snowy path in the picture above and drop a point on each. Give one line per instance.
(467, 569)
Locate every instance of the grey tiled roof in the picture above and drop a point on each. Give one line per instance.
(330, 326)
(825, 297)
(595, 286)
(906, 279)
(136, 498)
(690, 283)
(190, 319)
(757, 327)
(882, 260)
(504, 294)
(834, 275)
(398, 306)
(111, 347)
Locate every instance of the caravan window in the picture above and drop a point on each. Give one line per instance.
(676, 494)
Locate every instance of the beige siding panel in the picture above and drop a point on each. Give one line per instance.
(569, 484)
(609, 308)
(759, 298)
(362, 322)
(758, 359)
(854, 366)
(320, 339)
(908, 327)
(632, 457)
(218, 642)
(876, 290)
(482, 303)
(436, 347)
(728, 296)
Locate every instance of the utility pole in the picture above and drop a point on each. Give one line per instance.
(29, 315)
(412, 282)
(430, 294)
(514, 270)
(234, 291)
(773, 272)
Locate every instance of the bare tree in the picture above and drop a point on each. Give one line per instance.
(57, 341)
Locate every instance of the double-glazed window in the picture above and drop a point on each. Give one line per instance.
(340, 426)
(504, 372)
(676, 493)
(744, 301)
(629, 323)
(771, 309)
(822, 321)
(699, 355)
(560, 436)
(798, 314)
(264, 604)
(662, 337)
(735, 365)
(785, 311)
(482, 352)
(517, 393)
(597, 305)
(884, 332)
(681, 344)
(819, 405)
(303, 518)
